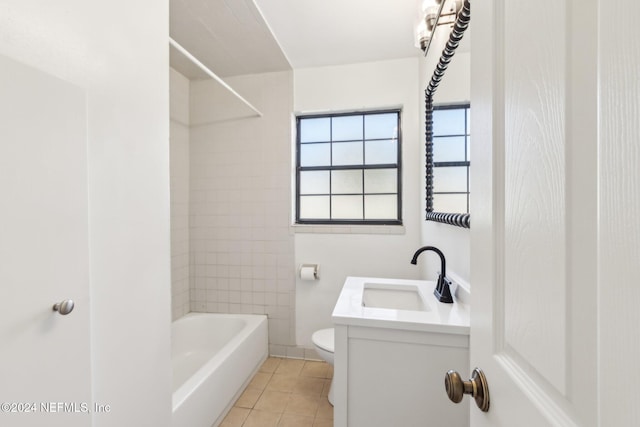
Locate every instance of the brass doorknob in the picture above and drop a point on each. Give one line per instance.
(477, 387)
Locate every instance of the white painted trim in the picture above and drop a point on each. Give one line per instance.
(347, 229)
(553, 408)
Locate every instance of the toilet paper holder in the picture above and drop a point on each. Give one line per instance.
(309, 272)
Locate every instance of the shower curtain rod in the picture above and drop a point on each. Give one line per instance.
(211, 74)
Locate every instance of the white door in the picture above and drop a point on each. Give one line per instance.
(44, 356)
(534, 211)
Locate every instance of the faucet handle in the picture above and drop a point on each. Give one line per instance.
(443, 290)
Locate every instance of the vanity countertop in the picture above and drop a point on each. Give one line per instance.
(437, 317)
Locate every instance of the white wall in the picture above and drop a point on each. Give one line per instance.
(353, 251)
(179, 164)
(454, 88)
(118, 52)
(241, 245)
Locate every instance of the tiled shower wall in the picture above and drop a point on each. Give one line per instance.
(179, 182)
(242, 249)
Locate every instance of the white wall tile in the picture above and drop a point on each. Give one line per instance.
(240, 194)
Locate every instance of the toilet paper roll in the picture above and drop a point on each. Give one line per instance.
(309, 272)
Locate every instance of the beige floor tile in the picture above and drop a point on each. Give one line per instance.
(262, 419)
(270, 365)
(325, 409)
(302, 405)
(321, 423)
(248, 398)
(285, 392)
(326, 387)
(272, 401)
(290, 367)
(314, 369)
(309, 386)
(294, 420)
(282, 383)
(260, 380)
(235, 417)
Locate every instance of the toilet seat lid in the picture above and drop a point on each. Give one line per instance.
(324, 338)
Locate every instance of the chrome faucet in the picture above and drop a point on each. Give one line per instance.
(442, 290)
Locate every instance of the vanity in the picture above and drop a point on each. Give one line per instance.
(394, 343)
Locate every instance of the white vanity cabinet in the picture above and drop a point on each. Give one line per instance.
(390, 364)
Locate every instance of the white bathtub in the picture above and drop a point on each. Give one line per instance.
(213, 357)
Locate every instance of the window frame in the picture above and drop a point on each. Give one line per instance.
(362, 167)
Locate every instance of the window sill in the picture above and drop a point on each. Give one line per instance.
(347, 229)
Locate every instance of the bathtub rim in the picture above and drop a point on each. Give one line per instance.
(182, 393)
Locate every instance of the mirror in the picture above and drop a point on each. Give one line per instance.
(447, 165)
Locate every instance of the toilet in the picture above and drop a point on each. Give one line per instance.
(323, 340)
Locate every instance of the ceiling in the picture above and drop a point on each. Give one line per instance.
(235, 37)
(333, 32)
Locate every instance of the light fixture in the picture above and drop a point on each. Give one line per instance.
(434, 14)
(422, 35)
(430, 17)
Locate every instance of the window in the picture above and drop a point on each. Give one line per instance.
(348, 168)
(451, 158)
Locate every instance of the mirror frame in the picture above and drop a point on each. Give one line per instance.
(462, 23)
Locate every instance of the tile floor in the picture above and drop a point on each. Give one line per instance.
(285, 393)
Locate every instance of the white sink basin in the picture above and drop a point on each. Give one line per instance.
(398, 304)
(393, 296)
